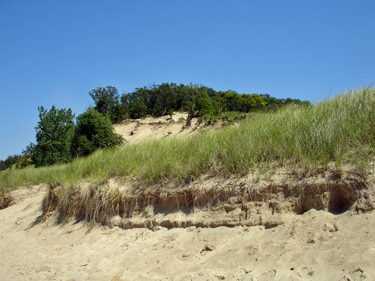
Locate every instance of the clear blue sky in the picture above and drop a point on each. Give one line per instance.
(55, 52)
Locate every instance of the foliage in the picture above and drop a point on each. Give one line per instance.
(53, 135)
(170, 112)
(24, 162)
(93, 131)
(29, 149)
(20, 161)
(274, 103)
(10, 161)
(198, 100)
(107, 102)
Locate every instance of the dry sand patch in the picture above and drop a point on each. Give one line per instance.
(136, 130)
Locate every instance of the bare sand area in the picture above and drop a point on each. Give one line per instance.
(136, 130)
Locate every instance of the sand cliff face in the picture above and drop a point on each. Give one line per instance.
(218, 202)
(212, 201)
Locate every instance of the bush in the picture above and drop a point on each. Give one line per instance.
(93, 131)
(24, 162)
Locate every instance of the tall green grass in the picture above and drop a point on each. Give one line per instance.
(339, 130)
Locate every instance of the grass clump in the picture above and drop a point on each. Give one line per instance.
(339, 130)
(5, 199)
(227, 116)
(96, 202)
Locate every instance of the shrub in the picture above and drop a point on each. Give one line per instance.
(93, 131)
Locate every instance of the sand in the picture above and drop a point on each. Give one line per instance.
(136, 130)
(316, 245)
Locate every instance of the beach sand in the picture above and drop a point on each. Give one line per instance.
(316, 245)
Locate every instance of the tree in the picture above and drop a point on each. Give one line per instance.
(93, 131)
(53, 135)
(248, 102)
(259, 101)
(10, 161)
(107, 102)
(167, 99)
(125, 105)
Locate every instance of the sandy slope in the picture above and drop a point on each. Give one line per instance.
(136, 130)
(314, 246)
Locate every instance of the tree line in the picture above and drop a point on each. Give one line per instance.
(60, 140)
(197, 100)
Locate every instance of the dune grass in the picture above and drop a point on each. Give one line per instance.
(228, 116)
(339, 130)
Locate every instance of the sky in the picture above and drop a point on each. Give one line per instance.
(55, 52)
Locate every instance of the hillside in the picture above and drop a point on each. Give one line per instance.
(288, 195)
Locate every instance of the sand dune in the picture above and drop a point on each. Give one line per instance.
(253, 243)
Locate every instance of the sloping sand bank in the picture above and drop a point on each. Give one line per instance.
(314, 245)
(136, 130)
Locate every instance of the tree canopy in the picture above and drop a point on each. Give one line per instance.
(107, 102)
(198, 100)
(54, 133)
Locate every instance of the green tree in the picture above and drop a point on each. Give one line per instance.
(167, 99)
(53, 135)
(10, 161)
(93, 131)
(107, 102)
(259, 101)
(248, 102)
(125, 105)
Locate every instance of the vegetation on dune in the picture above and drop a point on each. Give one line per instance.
(10, 161)
(197, 100)
(54, 134)
(93, 131)
(60, 141)
(339, 130)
